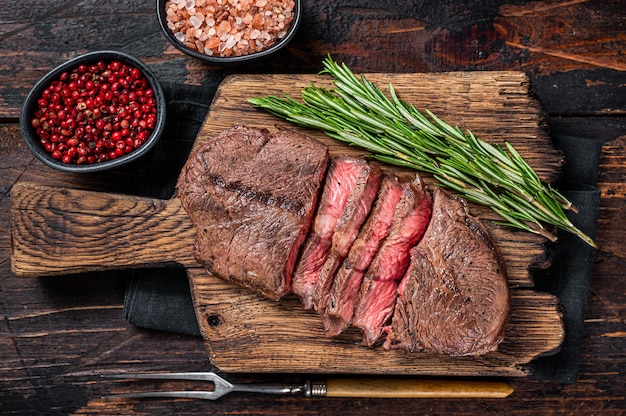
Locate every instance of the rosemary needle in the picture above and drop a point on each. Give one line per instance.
(357, 112)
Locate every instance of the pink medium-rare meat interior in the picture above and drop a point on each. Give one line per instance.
(341, 180)
(354, 214)
(339, 308)
(378, 290)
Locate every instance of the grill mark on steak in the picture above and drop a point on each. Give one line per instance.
(263, 197)
(355, 212)
(339, 309)
(454, 298)
(378, 293)
(251, 196)
(341, 180)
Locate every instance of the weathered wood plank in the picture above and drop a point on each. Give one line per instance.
(101, 231)
(50, 366)
(282, 337)
(556, 43)
(612, 184)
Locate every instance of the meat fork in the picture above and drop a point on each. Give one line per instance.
(335, 387)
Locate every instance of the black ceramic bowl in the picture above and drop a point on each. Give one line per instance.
(248, 58)
(30, 105)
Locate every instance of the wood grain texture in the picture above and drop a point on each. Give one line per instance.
(530, 28)
(407, 388)
(612, 184)
(60, 231)
(281, 337)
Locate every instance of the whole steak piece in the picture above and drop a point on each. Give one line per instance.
(378, 292)
(251, 195)
(454, 298)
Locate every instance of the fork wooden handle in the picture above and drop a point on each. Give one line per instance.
(409, 388)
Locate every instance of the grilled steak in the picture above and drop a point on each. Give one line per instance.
(378, 292)
(339, 308)
(345, 174)
(432, 283)
(454, 299)
(354, 215)
(251, 196)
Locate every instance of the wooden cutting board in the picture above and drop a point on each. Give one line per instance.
(58, 231)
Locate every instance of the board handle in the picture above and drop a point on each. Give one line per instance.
(62, 231)
(414, 388)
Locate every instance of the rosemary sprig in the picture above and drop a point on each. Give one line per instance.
(355, 111)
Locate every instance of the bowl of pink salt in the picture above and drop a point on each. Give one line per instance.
(229, 31)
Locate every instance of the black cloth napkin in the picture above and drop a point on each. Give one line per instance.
(569, 277)
(160, 298)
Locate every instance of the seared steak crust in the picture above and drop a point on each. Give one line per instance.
(251, 196)
(454, 299)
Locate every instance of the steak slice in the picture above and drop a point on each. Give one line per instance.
(352, 218)
(339, 309)
(454, 299)
(251, 196)
(378, 291)
(341, 180)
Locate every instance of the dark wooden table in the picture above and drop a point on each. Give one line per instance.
(58, 334)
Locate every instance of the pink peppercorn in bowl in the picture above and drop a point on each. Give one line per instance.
(229, 31)
(97, 111)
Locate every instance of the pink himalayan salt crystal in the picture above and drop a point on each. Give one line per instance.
(212, 43)
(195, 21)
(247, 19)
(200, 46)
(225, 26)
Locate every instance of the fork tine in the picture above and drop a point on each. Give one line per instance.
(221, 387)
(194, 376)
(203, 395)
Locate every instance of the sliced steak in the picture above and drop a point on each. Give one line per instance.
(339, 308)
(341, 180)
(454, 299)
(378, 291)
(251, 196)
(352, 218)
